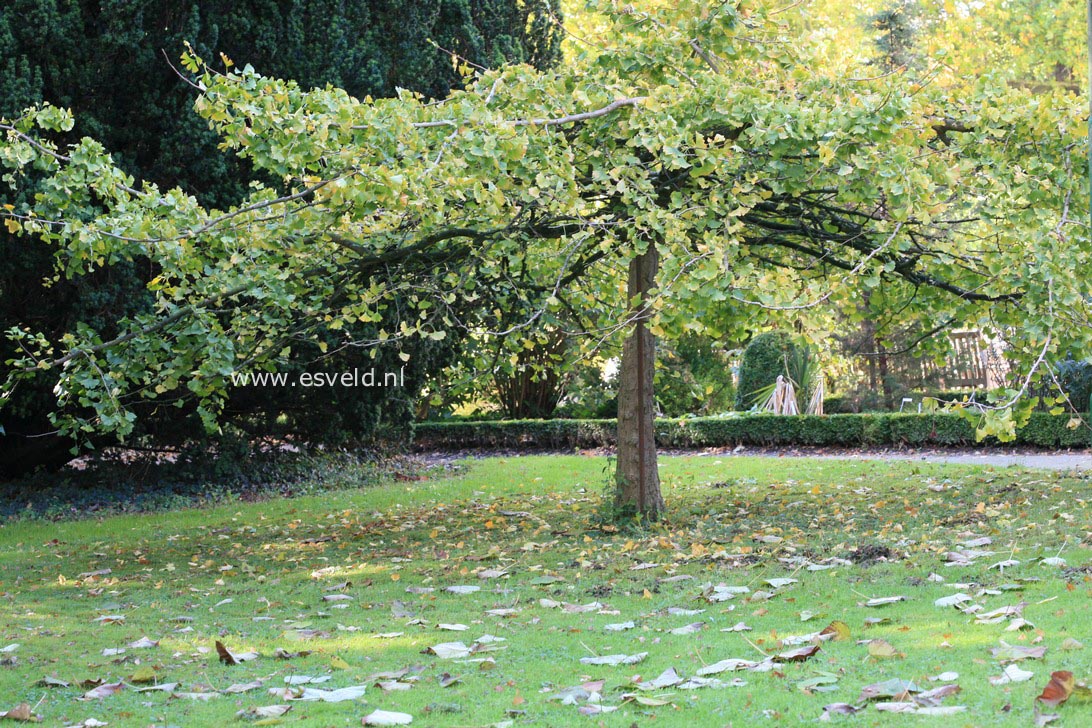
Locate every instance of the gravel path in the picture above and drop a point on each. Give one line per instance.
(1072, 460)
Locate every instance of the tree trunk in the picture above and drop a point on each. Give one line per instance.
(637, 478)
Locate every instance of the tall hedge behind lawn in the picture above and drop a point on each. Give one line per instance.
(850, 430)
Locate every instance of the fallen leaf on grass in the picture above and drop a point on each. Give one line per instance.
(934, 696)
(669, 678)
(1010, 674)
(619, 627)
(883, 601)
(952, 601)
(144, 674)
(205, 696)
(305, 679)
(800, 654)
(163, 688)
(110, 619)
(283, 654)
(462, 589)
(22, 713)
(836, 631)
(645, 700)
(945, 677)
(614, 660)
(737, 627)
(143, 643)
(104, 691)
(914, 708)
(1012, 653)
(840, 709)
(387, 717)
(782, 582)
(265, 711)
(449, 650)
(52, 682)
(730, 665)
(307, 694)
(689, 629)
(582, 608)
(453, 627)
(231, 658)
(502, 612)
(681, 612)
(824, 682)
(881, 650)
(893, 688)
(1057, 691)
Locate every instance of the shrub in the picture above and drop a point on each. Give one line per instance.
(759, 430)
(763, 360)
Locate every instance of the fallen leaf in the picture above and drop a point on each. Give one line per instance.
(1058, 690)
(52, 682)
(449, 650)
(689, 629)
(837, 631)
(667, 679)
(614, 660)
(143, 643)
(21, 713)
(305, 679)
(945, 677)
(619, 627)
(881, 649)
(230, 658)
(265, 711)
(840, 709)
(893, 688)
(882, 601)
(308, 694)
(104, 691)
(800, 654)
(729, 665)
(782, 582)
(1012, 653)
(952, 601)
(1010, 674)
(386, 717)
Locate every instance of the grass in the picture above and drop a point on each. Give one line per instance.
(254, 576)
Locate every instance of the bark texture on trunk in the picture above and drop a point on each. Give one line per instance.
(637, 478)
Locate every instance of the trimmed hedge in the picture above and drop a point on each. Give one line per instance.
(871, 429)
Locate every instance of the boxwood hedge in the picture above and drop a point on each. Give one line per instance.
(844, 430)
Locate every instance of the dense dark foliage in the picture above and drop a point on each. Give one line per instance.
(764, 360)
(110, 61)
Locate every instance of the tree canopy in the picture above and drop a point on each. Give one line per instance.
(118, 75)
(697, 141)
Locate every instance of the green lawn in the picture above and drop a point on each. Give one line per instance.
(524, 530)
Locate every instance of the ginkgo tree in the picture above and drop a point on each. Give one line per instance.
(690, 154)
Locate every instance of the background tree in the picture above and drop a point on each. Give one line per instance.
(110, 63)
(698, 157)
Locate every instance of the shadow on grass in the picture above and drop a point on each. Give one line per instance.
(111, 486)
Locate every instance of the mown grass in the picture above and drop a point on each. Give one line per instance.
(735, 521)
